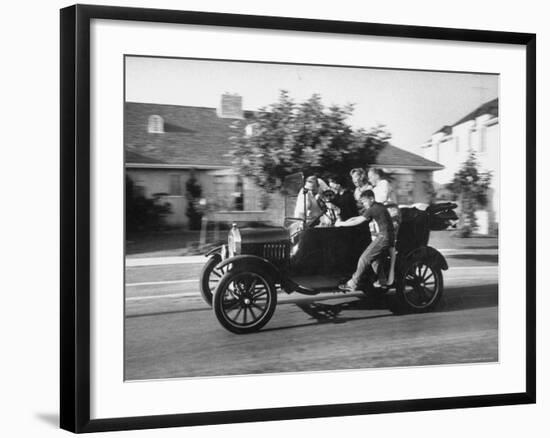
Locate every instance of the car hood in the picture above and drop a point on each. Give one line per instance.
(263, 235)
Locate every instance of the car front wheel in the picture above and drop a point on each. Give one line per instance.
(244, 301)
(210, 277)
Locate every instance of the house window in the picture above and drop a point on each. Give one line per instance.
(229, 192)
(238, 195)
(176, 185)
(155, 125)
(251, 129)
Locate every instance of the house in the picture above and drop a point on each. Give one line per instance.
(166, 144)
(478, 131)
(412, 174)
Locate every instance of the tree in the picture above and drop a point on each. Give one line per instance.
(470, 186)
(308, 137)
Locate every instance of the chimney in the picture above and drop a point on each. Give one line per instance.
(231, 106)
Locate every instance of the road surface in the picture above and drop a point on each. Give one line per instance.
(170, 332)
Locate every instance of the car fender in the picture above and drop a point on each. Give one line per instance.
(429, 254)
(252, 261)
(217, 249)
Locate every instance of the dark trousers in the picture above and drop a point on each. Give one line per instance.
(370, 255)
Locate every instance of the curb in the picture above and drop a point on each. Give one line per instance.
(159, 261)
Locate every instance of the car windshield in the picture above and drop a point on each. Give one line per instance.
(293, 183)
(290, 189)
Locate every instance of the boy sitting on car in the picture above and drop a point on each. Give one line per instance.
(382, 233)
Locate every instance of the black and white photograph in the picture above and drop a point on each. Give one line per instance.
(276, 218)
(291, 218)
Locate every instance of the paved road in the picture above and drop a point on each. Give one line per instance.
(171, 333)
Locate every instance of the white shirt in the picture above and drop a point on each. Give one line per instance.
(383, 192)
(312, 208)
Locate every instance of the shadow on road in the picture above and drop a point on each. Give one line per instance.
(331, 312)
(325, 314)
(454, 299)
(489, 258)
(471, 297)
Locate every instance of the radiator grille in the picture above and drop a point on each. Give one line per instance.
(274, 251)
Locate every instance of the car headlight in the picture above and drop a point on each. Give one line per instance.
(234, 241)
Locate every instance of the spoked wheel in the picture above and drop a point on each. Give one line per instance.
(244, 301)
(210, 277)
(420, 287)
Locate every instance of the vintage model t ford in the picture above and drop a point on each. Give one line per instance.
(241, 279)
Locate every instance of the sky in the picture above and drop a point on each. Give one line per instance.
(411, 104)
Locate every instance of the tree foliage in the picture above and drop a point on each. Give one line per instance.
(470, 186)
(289, 137)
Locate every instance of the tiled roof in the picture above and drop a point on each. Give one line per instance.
(196, 136)
(446, 129)
(391, 156)
(133, 157)
(490, 108)
(193, 135)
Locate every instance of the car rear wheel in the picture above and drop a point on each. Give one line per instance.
(210, 277)
(420, 287)
(244, 301)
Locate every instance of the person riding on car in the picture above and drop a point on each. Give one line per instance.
(361, 183)
(308, 208)
(382, 233)
(381, 187)
(384, 194)
(309, 205)
(343, 198)
(332, 212)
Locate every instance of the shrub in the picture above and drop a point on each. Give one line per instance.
(143, 214)
(470, 186)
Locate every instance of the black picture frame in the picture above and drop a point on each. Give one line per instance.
(75, 217)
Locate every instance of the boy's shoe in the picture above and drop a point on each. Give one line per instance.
(380, 284)
(349, 286)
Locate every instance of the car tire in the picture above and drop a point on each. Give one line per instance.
(210, 278)
(419, 287)
(244, 300)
